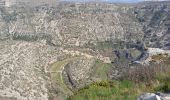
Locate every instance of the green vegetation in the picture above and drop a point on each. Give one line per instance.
(164, 82)
(101, 69)
(124, 90)
(152, 78)
(109, 45)
(55, 73)
(135, 53)
(104, 45)
(25, 37)
(117, 90)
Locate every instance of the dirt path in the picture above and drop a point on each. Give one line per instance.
(56, 70)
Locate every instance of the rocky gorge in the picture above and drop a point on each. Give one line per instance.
(49, 51)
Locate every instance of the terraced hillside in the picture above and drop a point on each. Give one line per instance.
(49, 52)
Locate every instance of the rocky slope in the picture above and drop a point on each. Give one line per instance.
(33, 38)
(78, 24)
(22, 73)
(156, 22)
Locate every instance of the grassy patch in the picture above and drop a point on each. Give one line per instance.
(152, 78)
(56, 74)
(103, 45)
(135, 53)
(101, 69)
(164, 82)
(116, 90)
(104, 90)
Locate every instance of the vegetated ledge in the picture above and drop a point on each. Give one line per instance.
(138, 80)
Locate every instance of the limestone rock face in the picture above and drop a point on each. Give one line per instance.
(34, 37)
(78, 24)
(155, 20)
(67, 25)
(149, 96)
(22, 74)
(152, 96)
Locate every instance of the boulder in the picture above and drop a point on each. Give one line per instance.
(149, 96)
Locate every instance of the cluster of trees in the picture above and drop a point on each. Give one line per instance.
(32, 37)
